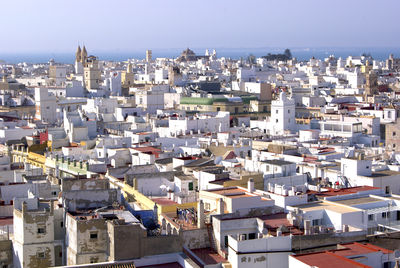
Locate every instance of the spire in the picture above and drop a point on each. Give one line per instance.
(78, 54)
(84, 54)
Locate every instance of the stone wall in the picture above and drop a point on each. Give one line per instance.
(6, 254)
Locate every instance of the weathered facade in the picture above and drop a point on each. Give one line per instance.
(34, 234)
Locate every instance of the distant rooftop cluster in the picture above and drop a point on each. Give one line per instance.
(200, 161)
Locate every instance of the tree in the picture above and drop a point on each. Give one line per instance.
(288, 54)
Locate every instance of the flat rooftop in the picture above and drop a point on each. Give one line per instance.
(106, 213)
(358, 201)
(343, 191)
(383, 173)
(277, 162)
(208, 256)
(164, 265)
(231, 192)
(164, 201)
(275, 221)
(325, 205)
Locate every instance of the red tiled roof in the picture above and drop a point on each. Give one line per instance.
(166, 265)
(344, 191)
(208, 256)
(328, 259)
(147, 149)
(337, 258)
(358, 249)
(164, 201)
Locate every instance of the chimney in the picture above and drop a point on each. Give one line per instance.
(200, 214)
(250, 185)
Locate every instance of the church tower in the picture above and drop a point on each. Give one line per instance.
(78, 61)
(283, 115)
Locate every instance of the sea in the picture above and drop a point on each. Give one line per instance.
(233, 53)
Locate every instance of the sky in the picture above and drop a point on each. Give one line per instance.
(130, 25)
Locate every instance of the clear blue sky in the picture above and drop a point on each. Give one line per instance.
(130, 25)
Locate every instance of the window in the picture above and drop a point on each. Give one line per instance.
(277, 111)
(315, 222)
(40, 255)
(276, 120)
(371, 217)
(385, 215)
(387, 189)
(394, 133)
(346, 128)
(226, 241)
(62, 224)
(288, 111)
(236, 110)
(218, 109)
(54, 193)
(190, 186)
(394, 145)
(252, 236)
(93, 235)
(41, 230)
(94, 259)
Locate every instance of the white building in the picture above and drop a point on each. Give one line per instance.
(282, 115)
(45, 106)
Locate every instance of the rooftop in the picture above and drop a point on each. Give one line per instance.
(383, 173)
(164, 201)
(327, 259)
(357, 201)
(277, 162)
(339, 257)
(344, 191)
(326, 205)
(208, 256)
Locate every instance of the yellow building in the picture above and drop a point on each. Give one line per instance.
(92, 73)
(128, 77)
